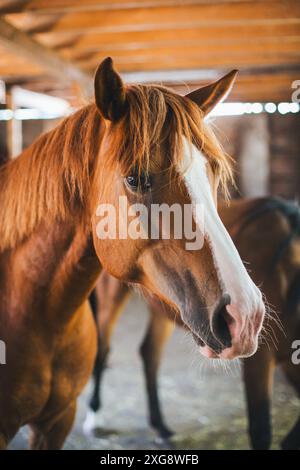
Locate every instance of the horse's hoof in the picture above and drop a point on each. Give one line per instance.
(95, 404)
(164, 432)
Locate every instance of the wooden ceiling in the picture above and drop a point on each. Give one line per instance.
(51, 45)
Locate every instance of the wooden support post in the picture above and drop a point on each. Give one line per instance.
(255, 156)
(14, 128)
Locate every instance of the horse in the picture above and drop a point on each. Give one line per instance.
(146, 144)
(266, 232)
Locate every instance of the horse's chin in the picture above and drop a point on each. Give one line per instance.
(231, 353)
(207, 352)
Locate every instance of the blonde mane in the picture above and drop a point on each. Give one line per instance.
(50, 178)
(155, 115)
(53, 176)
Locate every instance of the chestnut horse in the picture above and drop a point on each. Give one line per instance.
(266, 233)
(144, 143)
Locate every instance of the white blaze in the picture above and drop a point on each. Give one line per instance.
(231, 271)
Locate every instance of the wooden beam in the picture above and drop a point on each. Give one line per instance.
(28, 22)
(157, 18)
(58, 41)
(20, 44)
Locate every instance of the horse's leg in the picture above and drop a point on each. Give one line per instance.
(11, 427)
(158, 331)
(37, 439)
(51, 435)
(258, 378)
(3, 442)
(292, 440)
(106, 310)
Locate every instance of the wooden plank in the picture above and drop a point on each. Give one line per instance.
(246, 81)
(196, 62)
(137, 39)
(11, 64)
(63, 6)
(262, 88)
(276, 46)
(179, 17)
(212, 54)
(10, 74)
(20, 44)
(58, 41)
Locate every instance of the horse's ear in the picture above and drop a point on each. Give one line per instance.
(110, 93)
(207, 97)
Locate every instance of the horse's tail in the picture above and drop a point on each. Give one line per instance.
(93, 303)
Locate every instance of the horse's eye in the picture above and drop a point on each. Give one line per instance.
(140, 182)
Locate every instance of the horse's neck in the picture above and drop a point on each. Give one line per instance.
(52, 272)
(76, 274)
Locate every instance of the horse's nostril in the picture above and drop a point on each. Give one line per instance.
(219, 324)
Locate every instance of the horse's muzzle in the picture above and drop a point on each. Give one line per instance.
(237, 335)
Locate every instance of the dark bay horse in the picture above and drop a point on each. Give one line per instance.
(266, 233)
(146, 144)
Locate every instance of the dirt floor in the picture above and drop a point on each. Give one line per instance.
(202, 402)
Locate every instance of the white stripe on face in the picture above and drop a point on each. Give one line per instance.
(231, 271)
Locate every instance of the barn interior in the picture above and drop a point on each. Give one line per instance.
(48, 55)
